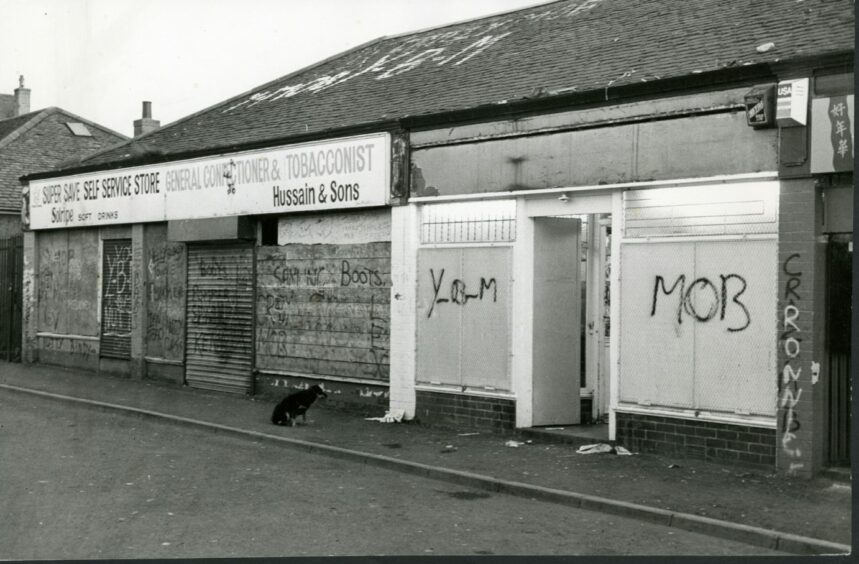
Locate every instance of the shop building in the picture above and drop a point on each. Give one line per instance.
(564, 222)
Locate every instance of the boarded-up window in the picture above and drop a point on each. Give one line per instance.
(464, 316)
(165, 290)
(324, 310)
(698, 325)
(116, 299)
(68, 282)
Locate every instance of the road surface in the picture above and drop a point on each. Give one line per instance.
(76, 482)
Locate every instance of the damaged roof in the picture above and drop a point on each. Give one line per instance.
(569, 46)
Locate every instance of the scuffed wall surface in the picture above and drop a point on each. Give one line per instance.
(363, 226)
(324, 309)
(165, 264)
(68, 282)
(67, 298)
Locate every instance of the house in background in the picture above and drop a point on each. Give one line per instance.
(32, 141)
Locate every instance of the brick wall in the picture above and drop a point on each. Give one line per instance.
(801, 433)
(703, 440)
(452, 410)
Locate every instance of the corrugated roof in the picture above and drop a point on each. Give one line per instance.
(565, 46)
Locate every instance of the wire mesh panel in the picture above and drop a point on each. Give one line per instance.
(116, 299)
(469, 222)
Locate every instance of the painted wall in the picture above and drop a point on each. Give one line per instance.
(463, 317)
(164, 263)
(675, 148)
(697, 325)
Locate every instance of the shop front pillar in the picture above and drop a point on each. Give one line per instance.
(404, 225)
(138, 303)
(29, 352)
(801, 431)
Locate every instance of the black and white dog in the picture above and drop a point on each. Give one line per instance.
(296, 404)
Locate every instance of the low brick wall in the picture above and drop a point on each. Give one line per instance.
(362, 399)
(703, 440)
(452, 410)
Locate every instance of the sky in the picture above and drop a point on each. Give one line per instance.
(100, 59)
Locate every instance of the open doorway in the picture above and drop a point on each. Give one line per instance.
(571, 329)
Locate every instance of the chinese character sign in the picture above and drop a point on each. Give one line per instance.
(832, 134)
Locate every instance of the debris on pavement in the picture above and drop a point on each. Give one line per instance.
(391, 416)
(674, 466)
(603, 448)
(466, 434)
(513, 444)
(764, 47)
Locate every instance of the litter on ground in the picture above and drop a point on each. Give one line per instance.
(603, 448)
(392, 416)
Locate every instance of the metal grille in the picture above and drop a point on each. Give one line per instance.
(219, 338)
(11, 268)
(116, 299)
(469, 222)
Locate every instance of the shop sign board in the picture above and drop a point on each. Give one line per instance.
(351, 172)
(832, 134)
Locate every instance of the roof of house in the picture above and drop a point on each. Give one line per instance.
(569, 46)
(10, 125)
(41, 140)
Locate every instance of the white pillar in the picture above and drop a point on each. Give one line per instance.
(404, 259)
(523, 315)
(614, 319)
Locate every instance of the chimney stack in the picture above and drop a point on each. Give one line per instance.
(146, 123)
(22, 98)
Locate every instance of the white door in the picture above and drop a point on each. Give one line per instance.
(556, 349)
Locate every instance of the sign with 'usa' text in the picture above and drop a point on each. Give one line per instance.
(343, 173)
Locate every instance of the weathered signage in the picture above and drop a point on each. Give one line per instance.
(832, 134)
(352, 172)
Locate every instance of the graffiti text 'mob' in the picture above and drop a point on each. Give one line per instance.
(707, 292)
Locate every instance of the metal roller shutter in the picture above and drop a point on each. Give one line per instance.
(116, 299)
(219, 336)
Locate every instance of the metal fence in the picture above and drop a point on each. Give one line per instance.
(11, 276)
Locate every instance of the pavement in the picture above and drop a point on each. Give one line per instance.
(757, 507)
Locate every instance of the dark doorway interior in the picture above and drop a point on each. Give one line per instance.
(839, 315)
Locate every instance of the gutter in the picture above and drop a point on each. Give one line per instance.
(548, 102)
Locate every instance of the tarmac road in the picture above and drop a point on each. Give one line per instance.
(81, 483)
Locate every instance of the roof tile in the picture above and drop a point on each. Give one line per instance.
(569, 45)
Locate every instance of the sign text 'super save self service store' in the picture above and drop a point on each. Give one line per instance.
(344, 173)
